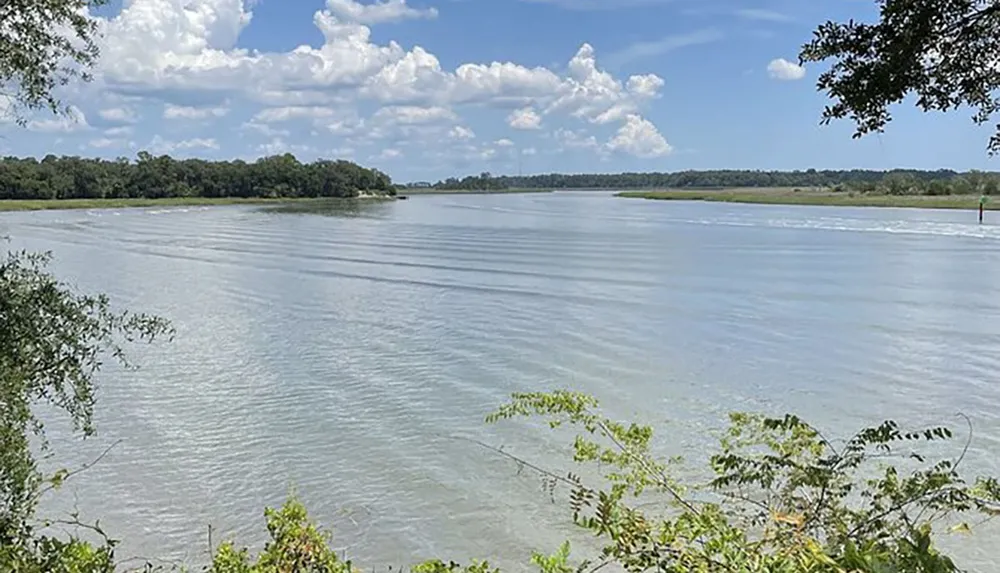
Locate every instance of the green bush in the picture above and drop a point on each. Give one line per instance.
(782, 499)
(52, 342)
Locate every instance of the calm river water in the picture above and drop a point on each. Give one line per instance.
(341, 353)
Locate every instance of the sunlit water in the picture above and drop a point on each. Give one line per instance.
(342, 353)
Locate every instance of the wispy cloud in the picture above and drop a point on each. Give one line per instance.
(598, 4)
(649, 49)
(763, 15)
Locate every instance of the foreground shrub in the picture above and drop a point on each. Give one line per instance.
(783, 499)
(52, 342)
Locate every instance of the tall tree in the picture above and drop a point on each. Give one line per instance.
(44, 44)
(944, 52)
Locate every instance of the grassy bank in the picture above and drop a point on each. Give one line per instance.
(780, 196)
(45, 204)
(431, 191)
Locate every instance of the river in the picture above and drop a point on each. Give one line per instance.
(345, 353)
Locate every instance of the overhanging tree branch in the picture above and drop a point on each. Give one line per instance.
(944, 52)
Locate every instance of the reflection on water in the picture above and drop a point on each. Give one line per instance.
(341, 356)
(334, 207)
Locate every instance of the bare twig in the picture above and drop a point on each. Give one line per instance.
(604, 562)
(522, 462)
(968, 441)
(51, 486)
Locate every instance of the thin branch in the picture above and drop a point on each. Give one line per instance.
(968, 421)
(175, 564)
(742, 497)
(523, 462)
(77, 523)
(665, 481)
(75, 472)
(604, 562)
(971, 19)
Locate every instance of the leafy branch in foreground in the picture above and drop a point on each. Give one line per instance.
(52, 343)
(783, 498)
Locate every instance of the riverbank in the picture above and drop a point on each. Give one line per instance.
(55, 204)
(432, 191)
(783, 196)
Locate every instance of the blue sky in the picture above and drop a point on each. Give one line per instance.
(425, 89)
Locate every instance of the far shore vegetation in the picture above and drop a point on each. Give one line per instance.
(796, 196)
(150, 181)
(436, 191)
(888, 182)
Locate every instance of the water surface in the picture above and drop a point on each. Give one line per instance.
(340, 352)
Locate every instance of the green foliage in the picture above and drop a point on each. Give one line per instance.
(783, 499)
(485, 181)
(944, 52)
(905, 181)
(43, 45)
(296, 546)
(555, 563)
(165, 177)
(51, 555)
(437, 566)
(52, 343)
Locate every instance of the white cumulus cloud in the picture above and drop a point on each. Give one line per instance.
(524, 118)
(782, 69)
(639, 137)
(184, 56)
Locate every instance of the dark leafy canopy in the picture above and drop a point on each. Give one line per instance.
(160, 177)
(43, 45)
(902, 181)
(945, 52)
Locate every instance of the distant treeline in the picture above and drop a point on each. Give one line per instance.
(897, 181)
(163, 176)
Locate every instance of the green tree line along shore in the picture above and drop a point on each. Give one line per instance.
(163, 177)
(283, 177)
(889, 182)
